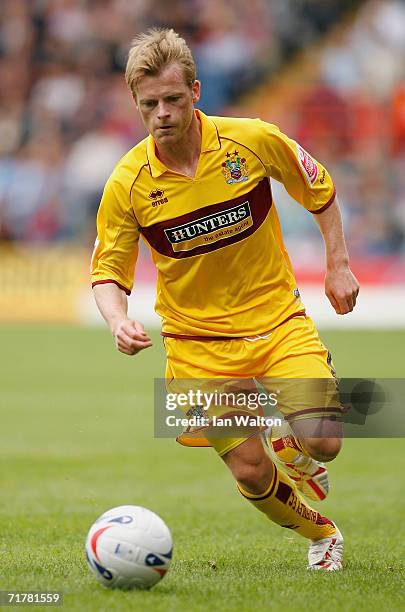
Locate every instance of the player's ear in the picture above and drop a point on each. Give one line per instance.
(196, 91)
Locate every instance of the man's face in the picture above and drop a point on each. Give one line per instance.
(166, 104)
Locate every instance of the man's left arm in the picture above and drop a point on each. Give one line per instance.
(310, 184)
(341, 286)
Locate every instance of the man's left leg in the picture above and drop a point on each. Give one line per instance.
(302, 447)
(301, 368)
(321, 438)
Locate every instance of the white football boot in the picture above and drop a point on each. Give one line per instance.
(326, 554)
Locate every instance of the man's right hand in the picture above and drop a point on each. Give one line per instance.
(130, 336)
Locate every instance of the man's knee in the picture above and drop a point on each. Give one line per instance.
(251, 466)
(323, 449)
(253, 475)
(321, 437)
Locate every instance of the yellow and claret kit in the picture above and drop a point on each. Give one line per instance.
(204, 231)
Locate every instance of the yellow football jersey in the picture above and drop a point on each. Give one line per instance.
(216, 241)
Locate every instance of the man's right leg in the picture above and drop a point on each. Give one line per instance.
(274, 494)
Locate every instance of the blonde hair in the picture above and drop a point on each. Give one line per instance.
(152, 51)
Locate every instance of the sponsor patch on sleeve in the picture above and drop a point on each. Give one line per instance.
(308, 164)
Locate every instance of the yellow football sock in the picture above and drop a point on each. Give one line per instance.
(284, 505)
(288, 448)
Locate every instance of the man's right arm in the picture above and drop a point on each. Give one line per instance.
(130, 336)
(113, 263)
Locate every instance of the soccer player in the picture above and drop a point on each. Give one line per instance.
(198, 191)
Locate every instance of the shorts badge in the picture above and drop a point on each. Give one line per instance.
(235, 169)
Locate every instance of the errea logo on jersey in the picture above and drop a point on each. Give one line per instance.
(157, 196)
(211, 228)
(308, 164)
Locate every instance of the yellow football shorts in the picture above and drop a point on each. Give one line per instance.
(290, 363)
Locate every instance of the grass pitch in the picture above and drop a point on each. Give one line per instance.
(77, 438)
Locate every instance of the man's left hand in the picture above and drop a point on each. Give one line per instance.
(342, 289)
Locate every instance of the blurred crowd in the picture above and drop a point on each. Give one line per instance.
(66, 116)
(353, 117)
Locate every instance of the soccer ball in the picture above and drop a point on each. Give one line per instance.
(129, 547)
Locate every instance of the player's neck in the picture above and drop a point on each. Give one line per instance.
(183, 156)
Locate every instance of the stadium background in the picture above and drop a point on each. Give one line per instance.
(330, 74)
(77, 417)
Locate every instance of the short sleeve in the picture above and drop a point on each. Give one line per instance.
(305, 179)
(116, 247)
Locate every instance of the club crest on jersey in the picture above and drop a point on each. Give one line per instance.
(235, 169)
(308, 164)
